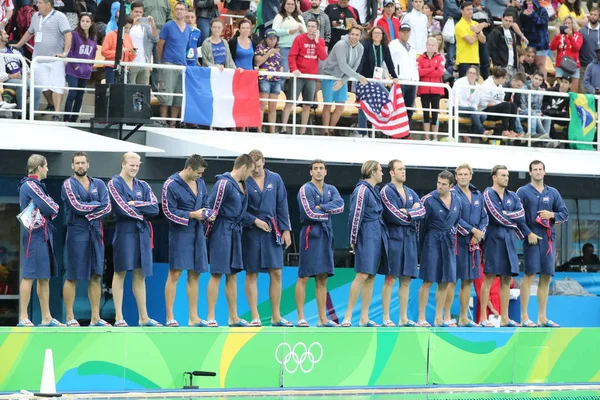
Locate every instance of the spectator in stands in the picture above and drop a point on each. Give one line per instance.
(588, 256)
(404, 57)
(342, 17)
(241, 47)
(172, 50)
(451, 10)
(431, 69)
(71, 9)
(84, 47)
(255, 36)
(194, 43)
(572, 8)
(160, 11)
(102, 18)
(418, 25)
(518, 81)
(492, 101)
(367, 11)
(206, 12)
(505, 42)
(53, 38)
(317, 13)
(468, 96)
(497, 8)
(305, 54)
(591, 41)
(541, 129)
(237, 7)
(172, 3)
(558, 107)
(591, 81)
(6, 12)
(469, 34)
(482, 15)
(113, 23)
(109, 49)
(440, 39)
(268, 58)
(144, 35)
(289, 24)
(388, 21)
(342, 63)
(12, 72)
(215, 51)
(375, 59)
(528, 64)
(433, 25)
(567, 43)
(534, 23)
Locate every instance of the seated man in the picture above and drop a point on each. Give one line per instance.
(558, 107)
(588, 256)
(11, 74)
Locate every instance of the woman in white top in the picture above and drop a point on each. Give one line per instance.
(288, 24)
(468, 100)
(491, 99)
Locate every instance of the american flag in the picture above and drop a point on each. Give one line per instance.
(386, 111)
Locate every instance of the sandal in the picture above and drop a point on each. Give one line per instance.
(172, 323)
(121, 323)
(212, 323)
(470, 324)
(73, 322)
(408, 324)
(369, 324)
(388, 323)
(346, 323)
(54, 322)
(101, 322)
(25, 323)
(329, 324)
(255, 322)
(240, 324)
(486, 324)
(302, 323)
(511, 324)
(550, 324)
(529, 324)
(282, 322)
(423, 324)
(152, 322)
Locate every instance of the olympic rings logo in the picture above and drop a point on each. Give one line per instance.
(298, 357)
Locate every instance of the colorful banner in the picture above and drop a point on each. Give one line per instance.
(582, 127)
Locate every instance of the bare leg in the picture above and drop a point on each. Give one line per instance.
(447, 315)
(285, 116)
(117, 289)
(367, 294)
(542, 294)
(212, 292)
(275, 294)
(427, 128)
(424, 299)
(304, 118)
(484, 295)
(25, 295)
(170, 291)
(440, 299)
(231, 294)
(300, 293)
(272, 118)
(192, 292)
(525, 295)
(403, 292)
(69, 290)
(94, 294)
(504, 298)
(355, 288)
(57, 100)
(463, 296)
(43, 292)
(335, 116)
(386, 296)
(139, 292)
(174, 114)
(252, 293)
(321, 296)
(326, 117)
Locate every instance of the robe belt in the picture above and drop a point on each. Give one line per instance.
(325, 227)
(473, 249)
(546, 224)
(44, 225)
(142, 225)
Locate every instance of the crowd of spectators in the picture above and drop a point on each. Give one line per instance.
(492, 45)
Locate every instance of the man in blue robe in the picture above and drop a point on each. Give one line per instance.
(507, 218)
(317, 201)
(133, 202)
(544, 208)
(266, 233)
(368, 241)
(37, 240)
(185, 204)
(86, 203)
(438, 248)
(471, 230)
(229, 201)
(401, 210)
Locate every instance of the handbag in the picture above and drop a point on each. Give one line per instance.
(448, 31)
(568, 64)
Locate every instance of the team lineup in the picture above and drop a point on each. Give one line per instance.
(243, 223)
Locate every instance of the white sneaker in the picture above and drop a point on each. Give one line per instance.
(7, 106)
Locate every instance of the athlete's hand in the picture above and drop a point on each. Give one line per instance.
(474, 240)
(260, 224)
(416, 205)
(197, 214)
(337, 85)
(477, 234)
(352, 248)
(287, 238)
(131, 203)
(532, 238)
(545, 214)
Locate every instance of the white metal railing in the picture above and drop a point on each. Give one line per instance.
(20, 86)
(38, 59)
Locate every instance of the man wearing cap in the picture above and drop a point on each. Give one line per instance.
(591, 80)
(404, 57)
(388, 21)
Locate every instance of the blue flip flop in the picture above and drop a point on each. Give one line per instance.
(550, 324)
(369, 324)
(101, 322)
(52, 323)
(529, 324)
(470, 324)
(282, 322)
(240, 324)
(329, 324)
(201, 324)
(152, 322)
(409, 324)
(25, 323)
(511, 324)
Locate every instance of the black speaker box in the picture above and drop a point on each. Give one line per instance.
(123, 103)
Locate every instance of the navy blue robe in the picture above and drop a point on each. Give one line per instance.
(40, 259)
(402, 228)
(187, 242)
(507, 218)
(474, 215)
(133, 239)
(368, 233)
(225, 235)
(438, 233)
(316, 234)
(261, 249)
(84, 210)
(541, 258)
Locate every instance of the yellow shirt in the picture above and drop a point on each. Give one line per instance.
(466, 53)
(564, 12)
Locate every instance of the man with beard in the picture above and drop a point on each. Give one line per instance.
(315, 12)
(591, 42)
(86, 203)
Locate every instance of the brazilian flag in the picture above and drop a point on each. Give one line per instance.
(582, 127)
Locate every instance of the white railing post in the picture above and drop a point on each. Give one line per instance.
(294, 103)
(32, 90)
(531, 123)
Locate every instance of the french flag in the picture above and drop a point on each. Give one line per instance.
(227, 99)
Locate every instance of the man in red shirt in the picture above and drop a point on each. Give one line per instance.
(307, 49)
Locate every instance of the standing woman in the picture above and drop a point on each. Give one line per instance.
(268, 58)
(573, 8)
(568, 43)
(109, 49)
(215, 51)
(84, 47)
(375, 59)
(431, 69)
(288, 24)
(241, 47)
(433, 25)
